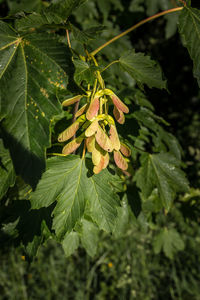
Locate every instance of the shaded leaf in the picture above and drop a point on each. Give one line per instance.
(122, 220)
(162, 171)
(7, 172)
(84, 72)
(89, 237)
(143, 69)
(70, 243)
(189, 28)
(24, 5)
(87, 35)
(56, 13)
(168, 240)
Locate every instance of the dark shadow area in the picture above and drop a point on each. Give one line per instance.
(134, 199)
(29, 166)
(19, 224)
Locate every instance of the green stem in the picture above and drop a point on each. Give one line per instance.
(134, 27)
(108, 66)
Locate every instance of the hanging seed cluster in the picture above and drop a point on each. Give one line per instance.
(98, 130)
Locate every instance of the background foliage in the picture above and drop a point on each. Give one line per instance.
(147, 248)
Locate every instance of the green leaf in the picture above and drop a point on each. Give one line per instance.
(122, 220)
(24, 5)
(89, 237)
(136, 6)
(70, 243)
(32, 71)
(7, 173)
(104, 201)
(171, 26)
(161, 171)
(87, 35)
(67, 182)
(170, 241)
(189, 28)
(142, 69)
(84, 72)
(33, 226)
(64, 181)
(56, 13)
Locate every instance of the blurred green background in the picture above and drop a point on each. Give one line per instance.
(130, 265)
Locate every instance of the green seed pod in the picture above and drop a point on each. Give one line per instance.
(93, 109)
(96, 156)
(125, 150)
(72, 146)
(81, 110)
(90, 143)
(103, 140)
(69, 132)
(114, 138)
(97, 169)
(72, 100)
(119, 115)
(119, 104)
(92, 129)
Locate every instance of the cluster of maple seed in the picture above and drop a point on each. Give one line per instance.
(98, 130)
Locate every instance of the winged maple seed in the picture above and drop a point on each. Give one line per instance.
(98, 130)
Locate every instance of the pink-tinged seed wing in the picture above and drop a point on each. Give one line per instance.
(103, 140)
(120, 161)
(72, 146)
(96, 156)
(114, 138)
(81, 110)
(69, 132)
(90, 143)
(97, 169)
(92, 129)
(71, 100)
(106, 160)
(125, 150)
(119, 115)
(93, 108)
(119, 104)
